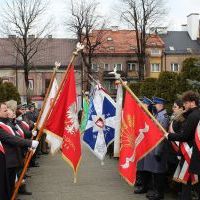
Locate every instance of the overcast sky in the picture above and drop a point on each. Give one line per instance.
(178, 10)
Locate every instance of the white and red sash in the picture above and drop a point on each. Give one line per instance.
(1, 148)
(7, 129)
(197, 136)
(19, 131)
(182, 174)
(175, 145)
(25, 125)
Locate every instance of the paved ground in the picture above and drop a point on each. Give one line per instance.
(53, 180)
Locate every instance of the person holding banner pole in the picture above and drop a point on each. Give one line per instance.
(189, 135)
(79, 48)
(9, 143)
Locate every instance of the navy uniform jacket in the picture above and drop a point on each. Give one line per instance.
(156, 160)
(11, 144)
(188, 135)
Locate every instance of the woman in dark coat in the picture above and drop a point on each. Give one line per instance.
(177, 120)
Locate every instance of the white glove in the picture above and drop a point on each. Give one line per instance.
(34, 144)
(166, 135)
(34, 133)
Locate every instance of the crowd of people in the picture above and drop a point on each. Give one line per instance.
(17, 137)
(177, 157)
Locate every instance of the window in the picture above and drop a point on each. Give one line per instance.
(111, 48)
(155, 52)
(174, 67)
(132, 67)
(30, 84)
(155, 67)
(133, 48)
(107, 67)
(109, 85)
(118, 66)
(189, 50)
(5, 80)
(95, 67)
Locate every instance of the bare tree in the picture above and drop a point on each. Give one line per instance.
(23, 20)
(141, 15)
(89, 28)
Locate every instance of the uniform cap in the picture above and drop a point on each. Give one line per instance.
(147, 101)
(158, 100)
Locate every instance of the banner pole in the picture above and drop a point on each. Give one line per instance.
(75, 54)
(57, 65)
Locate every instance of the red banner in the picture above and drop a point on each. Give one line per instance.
(63, 122)
(139, 135)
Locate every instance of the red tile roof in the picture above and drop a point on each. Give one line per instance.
(123, 42)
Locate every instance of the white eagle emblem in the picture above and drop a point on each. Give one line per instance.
(71, 122)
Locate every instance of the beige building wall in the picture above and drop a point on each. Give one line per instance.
(38, 77)
(111, 60)
(169, 59)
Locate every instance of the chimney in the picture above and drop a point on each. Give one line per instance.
(31, 36)
(50, 36)
(158, 30)
(193, 25)
(114, 28)
(11, 36)
(184, 27)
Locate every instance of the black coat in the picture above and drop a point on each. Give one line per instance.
(11, 144)
(4, 186)
(27, 133)
(188, 135)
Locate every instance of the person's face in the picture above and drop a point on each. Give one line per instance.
(11, 114)
(3, 111)
(22, 110)
(188, 105)
(32, 109)
(159, 106)
(176, 108)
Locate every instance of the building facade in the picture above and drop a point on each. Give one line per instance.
(180, 45)
(119, 49)
(42, 66)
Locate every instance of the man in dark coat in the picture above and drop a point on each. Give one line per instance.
(4, 186)
(192, 115)
(156, 161)
(10, 142)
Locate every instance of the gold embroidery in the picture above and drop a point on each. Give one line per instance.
(127, 132)
(67, 143)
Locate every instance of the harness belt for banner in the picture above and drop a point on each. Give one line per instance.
(19, 131)
(7, 129)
